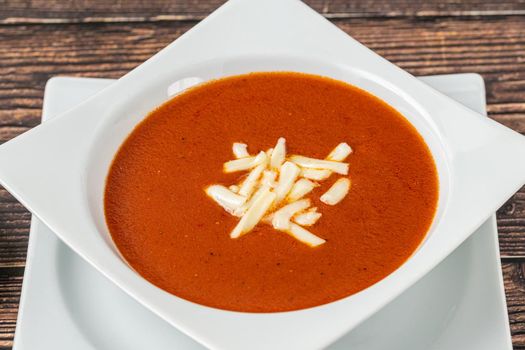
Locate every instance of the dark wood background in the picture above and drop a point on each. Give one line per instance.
(99, 38)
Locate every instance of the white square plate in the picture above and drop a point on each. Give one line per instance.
(445, 310)
(58, 170)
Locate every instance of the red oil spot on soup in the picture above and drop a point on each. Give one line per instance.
(176, 237)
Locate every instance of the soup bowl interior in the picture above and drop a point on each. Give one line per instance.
(122, 117)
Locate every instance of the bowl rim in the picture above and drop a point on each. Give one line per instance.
(43, 169)
(108, 129)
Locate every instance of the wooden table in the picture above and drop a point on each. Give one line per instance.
(40, 39)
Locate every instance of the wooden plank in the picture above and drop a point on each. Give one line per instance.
(15, 221)
(511, 226)
(410, 8)
(514, 280)
(10, 288)
(82, 11)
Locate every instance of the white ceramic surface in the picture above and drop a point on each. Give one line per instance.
(57, 170)
(66, 304)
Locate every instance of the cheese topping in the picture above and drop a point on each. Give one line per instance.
(289, 172)
(305, 236)
(300, 189)
(248, 185)
(225, 198)
(306, 162)
(281, 218)
(254, 214)
(337, 192)
(240, 150)
(278, 154)
(307, 218)
(244, 163)
(340, 152)
(234, 188)
(274, 191)
(315, 174)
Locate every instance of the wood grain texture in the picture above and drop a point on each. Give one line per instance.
(82, 11)
(434, 37)
(514, 280)
(10, 287)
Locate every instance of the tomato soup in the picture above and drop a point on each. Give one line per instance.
(171, 232)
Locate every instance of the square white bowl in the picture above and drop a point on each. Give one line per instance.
(58, 170)
(442, 311)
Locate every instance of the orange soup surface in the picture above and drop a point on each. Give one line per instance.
(176, 237)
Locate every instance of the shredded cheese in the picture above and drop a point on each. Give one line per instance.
(267, 183)
(289, 172)
(300, 189)
(274, 190)
(305, 236)
(225, 198)
(281, 218)
(306, 162)
(240, 150)
(268, 178)
(248, 185)
(244, 163)
(254, 214)
(278, 154)
(337, 192)
(307, 218)
(340, 152)
(315, 174)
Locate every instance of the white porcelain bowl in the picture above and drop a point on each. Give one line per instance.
(58, 170)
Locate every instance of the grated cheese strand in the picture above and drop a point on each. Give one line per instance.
(240, 150)
(225, 198)
(281, 218)
(337, 192)
(254, 214)
(340, 152)
(287, 177)
(244, 163)
(305, 236)
(268, 178)
(315, 174)
(307, 218)
(307, 162)
(300, 189)
(234, 188)
(251, 181)
(271, 179)
(267, 181)
(278, 154)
